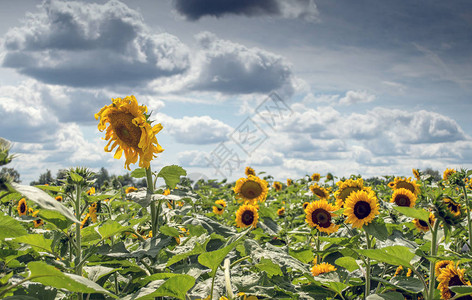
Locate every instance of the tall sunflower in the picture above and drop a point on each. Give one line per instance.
(216, 209)
(59, 198)
(289, 182)
(361, 208)
(130, 130)
(130, 189)
(451, 276)
(319, 214)
(345, 188)
(22, 207)
(403, 197)
(416, 173)
(406, 183)
(249, 171)
(251, 189)
(454, 208)
(319, 191)
(447, 173)
(322, 268)
(277, 186)
(441, 265)
(315, 177)
(281, 211)
(247, 215)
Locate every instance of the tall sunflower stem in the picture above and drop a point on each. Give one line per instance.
(367, 268)
(434, 248)
(149, 192)
(469, 224)
(78, 256)
(318, 247)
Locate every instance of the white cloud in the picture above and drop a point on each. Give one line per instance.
(355, 97)
(193, 158)
(195, 130)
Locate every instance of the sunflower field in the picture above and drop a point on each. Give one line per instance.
(315, 237)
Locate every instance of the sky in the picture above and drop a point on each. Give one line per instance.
(289, 87)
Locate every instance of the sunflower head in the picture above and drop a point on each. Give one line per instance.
(416, 173)
(447, 173)
(249, 171)
(329, 177)
(130, 189)
(85, 222)
(441, 265)
(315, 177)
(361, 208)
(422, 225)
(277, 186)
(220, 207)
(246, 216)
(406, 183)
(22, 207)
(319, 214)
(398, 271)
(289, 182)
(448, 210)
(345, 188)
(59, 198)
(38, 222)
(91, 191)
(322, 268)
(127, 127)
(319, 191)
(450, 276)
(281, 212)
(251, 189)
(403, 197)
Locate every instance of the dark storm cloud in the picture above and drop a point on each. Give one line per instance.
(89, 45)
(196, 9)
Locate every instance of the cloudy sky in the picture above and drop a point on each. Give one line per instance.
(290, 87)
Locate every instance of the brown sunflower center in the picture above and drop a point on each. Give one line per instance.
(406, 185)
(219, 209)
(247, 217)
(362, 209)
(402, 200)
(321, 217)
(347, 191)
(319, 192)
(453, 207)
(455, 280)
(122, 124)
(422, 223)
(251, 189)
(23, 207)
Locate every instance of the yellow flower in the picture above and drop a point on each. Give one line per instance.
(422, 225)
(289, 182)
(454, 208)
(247, 215)
(441, 265)
(166, 192)
(450, 276)
(85, 221)
(408, 274)
(59, 198)
(129, 129)
(403, 197)
(251, 189)
(416, 173)
(281, 211)
(319, 214)
(447, 173)
(361, 208)
(277, 186)
(319, 191)
(91, 191)
(398, 271)
(38, 223)
(217, 210)
(322, 268)
(130, 189)
(315, 177)
(346, 188)
(93, 208)
(249, 171)
(406, 183)
(22, 207)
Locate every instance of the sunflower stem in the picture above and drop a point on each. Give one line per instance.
(434, 248)
(469, 224)
(78, 257)
(149, 192)
(318, 247)
(367, 268)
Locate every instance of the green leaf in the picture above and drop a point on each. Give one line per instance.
(44, 200)
(386, 296)
(171, 175)
(10, 227)
(408, 284)
(56, 218)
(51, 276)
(176, 286)
(377, 229)
(214, 258)
(304, 255)
(36, 240)
(76, 177)
(197, 249)
(5, 278)
(416, 213)
(347, 262)
(269, 267)
(110, 227)
(139, 173)
(169, 231)
(394, 255)
(461, 289)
